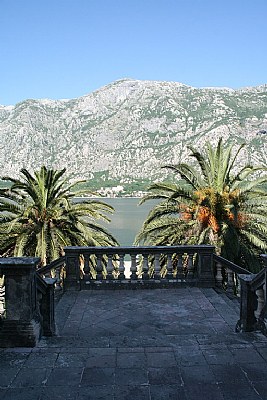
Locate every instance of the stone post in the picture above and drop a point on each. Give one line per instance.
(21, 324)
(47, 306)
(248, 305)
(206, 267)
(264, 259)
(72, 279)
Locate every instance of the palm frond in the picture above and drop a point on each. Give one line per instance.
(40, 216)
(221, 206)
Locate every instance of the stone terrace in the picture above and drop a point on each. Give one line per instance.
(140, 344)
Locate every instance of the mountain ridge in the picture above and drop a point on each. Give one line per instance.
(221, 88)
(122, 133)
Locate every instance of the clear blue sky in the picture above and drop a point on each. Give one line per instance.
(68, 48)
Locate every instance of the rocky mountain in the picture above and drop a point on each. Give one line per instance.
(122, 133)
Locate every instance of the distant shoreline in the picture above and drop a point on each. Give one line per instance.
(108, 197)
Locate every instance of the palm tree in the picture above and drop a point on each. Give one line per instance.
(41, 213)
(212, 202)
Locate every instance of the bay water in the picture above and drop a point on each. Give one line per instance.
(128, 217)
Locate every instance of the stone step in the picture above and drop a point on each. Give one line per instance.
(219, 296)
(225, 307)
(231, 300)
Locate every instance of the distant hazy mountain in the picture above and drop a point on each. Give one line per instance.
(124, 132)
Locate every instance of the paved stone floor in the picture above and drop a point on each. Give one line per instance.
(142, 344)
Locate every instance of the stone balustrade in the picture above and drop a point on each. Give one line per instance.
(27, 295)
(55, 270)
(146, 266)
(28, 306)
(2, 296)
(227, 275)
(250, 288)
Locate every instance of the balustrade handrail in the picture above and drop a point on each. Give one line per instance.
(55, 273)
(41, 284)
(229, 264)
(58, 263)
(258, 279)
(253, 301)
(138, 249)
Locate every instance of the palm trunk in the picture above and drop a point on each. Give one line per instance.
(43, 253)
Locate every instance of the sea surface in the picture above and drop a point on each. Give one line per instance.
(128, 217)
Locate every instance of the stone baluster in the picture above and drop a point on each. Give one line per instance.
(169, 274)
(99, 267)
(237, 286)
(219, 277)
(86, 267)
(145, 267)
(230, 281)
(110, 267)
(180, 267)
(261, 306)
(2, 295)
(260, 303)
(121, 266)
(264, 295)
(21, 326)
(157, 275)
(262, 317)
(133, 267)
(190, 266)
(59, 278)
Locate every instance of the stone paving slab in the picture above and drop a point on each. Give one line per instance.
(134, 345)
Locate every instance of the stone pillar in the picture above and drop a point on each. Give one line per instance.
(264, 259)
(47, 307)
(72, 262)
(206, 267)
(248, 305)
(21, 324)
(219, 277)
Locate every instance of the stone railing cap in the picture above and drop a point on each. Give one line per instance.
(246, 278)
(17, 261)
